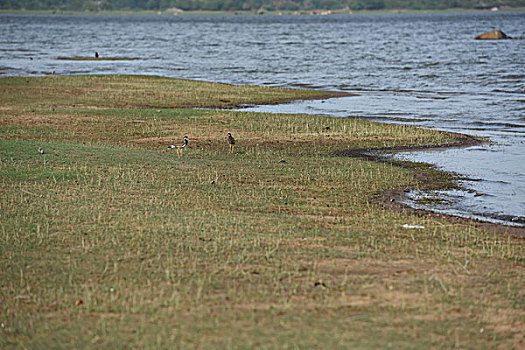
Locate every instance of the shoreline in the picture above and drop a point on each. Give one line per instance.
(315, 12)
(393, 199)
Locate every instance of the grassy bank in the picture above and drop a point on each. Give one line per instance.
(109, 240)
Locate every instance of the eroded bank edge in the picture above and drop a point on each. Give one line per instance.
(428, 178)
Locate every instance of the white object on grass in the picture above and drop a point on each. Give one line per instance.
(412, 226)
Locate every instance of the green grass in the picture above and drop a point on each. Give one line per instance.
(135, 91)
(109, 240)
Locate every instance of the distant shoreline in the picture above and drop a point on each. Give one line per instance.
(319, 12)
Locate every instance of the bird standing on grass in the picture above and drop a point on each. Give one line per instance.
(231, 142)
(41, 150)
(180, 147)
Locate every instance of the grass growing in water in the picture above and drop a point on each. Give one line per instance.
(110, 240)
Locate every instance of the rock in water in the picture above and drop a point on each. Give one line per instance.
(493, 35)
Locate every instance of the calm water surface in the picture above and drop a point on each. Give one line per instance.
(424, 70)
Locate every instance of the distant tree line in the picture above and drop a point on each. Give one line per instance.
(251, 5)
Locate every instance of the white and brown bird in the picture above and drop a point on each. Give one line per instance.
(231, 142)
(180, 147)
(41, 150)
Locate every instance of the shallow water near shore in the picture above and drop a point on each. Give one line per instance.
(423, 70)
(493, 174)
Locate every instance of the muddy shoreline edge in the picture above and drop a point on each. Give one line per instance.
(393, 199)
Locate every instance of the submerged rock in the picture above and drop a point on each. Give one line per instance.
(493, 35)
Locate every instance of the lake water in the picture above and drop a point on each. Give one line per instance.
(425, 70)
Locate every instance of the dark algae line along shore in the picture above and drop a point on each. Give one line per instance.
(429, 178)
(108, 239)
